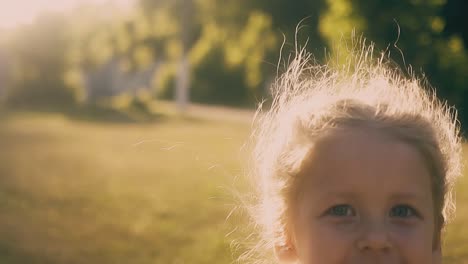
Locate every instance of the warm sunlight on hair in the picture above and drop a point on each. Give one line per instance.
(20, 12)
(360, 129)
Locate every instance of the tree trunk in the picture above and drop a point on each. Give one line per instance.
(183, 73)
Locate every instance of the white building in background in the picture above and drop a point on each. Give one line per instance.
(4, 68)
(110, 80)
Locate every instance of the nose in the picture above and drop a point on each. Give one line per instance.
(374, 237)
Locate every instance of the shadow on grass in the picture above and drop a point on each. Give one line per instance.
(94, 113)
(101, 114)
(89, 113)
(9, 254)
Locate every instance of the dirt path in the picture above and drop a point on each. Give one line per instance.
(222, 113)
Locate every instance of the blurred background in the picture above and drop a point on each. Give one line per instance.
(122, 122)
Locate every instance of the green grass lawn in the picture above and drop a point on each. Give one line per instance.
(83, 191)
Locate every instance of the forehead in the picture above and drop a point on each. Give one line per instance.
(365, 161)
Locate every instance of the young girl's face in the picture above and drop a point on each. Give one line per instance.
(366, 199)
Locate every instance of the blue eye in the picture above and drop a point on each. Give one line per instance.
(342, 210)
(403, 211)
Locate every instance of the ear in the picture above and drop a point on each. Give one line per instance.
(286, 254)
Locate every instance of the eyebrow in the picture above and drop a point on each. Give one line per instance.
(338, 194)
(407, 195)
(415, 196)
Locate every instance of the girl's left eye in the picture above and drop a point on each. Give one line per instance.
(403, 211)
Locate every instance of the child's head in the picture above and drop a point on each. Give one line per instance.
(354, 165)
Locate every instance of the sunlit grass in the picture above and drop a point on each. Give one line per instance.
(74, 191)
(84, 192)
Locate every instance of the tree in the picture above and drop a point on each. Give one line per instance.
(415, 33)
(37, 55)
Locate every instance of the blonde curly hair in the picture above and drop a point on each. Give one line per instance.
(310, 99)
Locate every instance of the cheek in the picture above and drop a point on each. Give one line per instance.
(324, 242)
(319, 243)
(415, 244)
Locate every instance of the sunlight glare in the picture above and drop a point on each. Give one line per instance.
(20, 12)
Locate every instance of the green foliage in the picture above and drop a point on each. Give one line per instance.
(226, 53)
(413, 32)
(37, 60)
(227, 66)
(217, 84)
(233, 46)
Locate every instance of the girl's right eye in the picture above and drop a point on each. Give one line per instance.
(342, 210)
